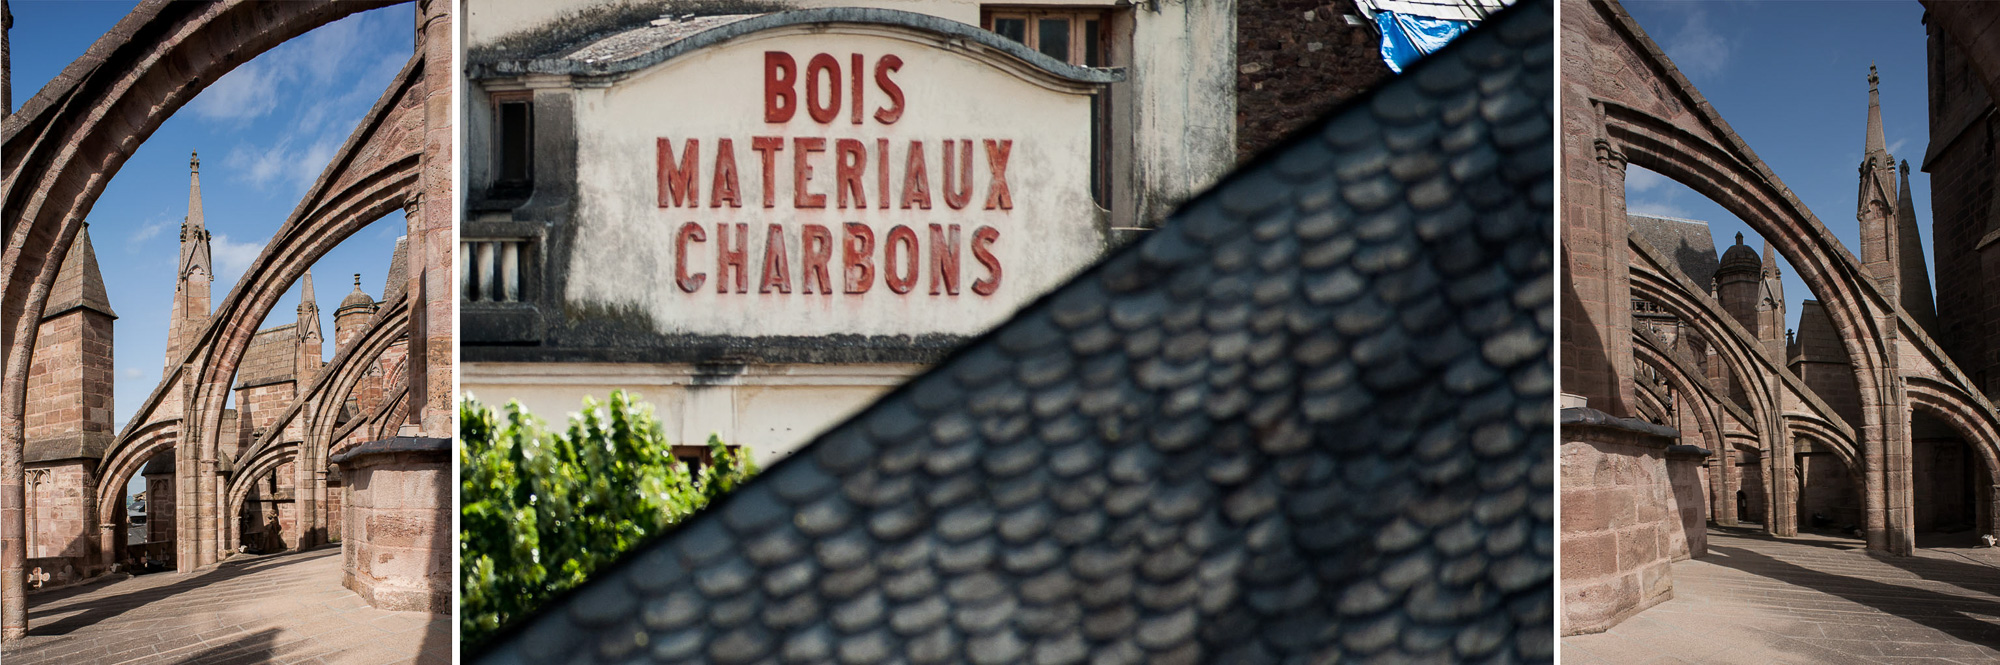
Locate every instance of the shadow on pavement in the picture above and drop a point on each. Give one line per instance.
(252, 648)
(111, 606)
(1956, 615)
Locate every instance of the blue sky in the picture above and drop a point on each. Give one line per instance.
(264, 132)
(1792, 79)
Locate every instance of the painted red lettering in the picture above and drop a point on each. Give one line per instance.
(725, 187)
(777, 268)
(882, 173)
(850, 161)
(802, 172)
(677, 184)
(768, 148)
(689, 232)
(889, 63)
(903, 236)
(726, 258)
(857, 251)
(982, 239)
(780, 76)
(960, 194)
(944, 260)
(815, 251)
(854, 74)
(823, 66)
(916, 183)
(996, 187)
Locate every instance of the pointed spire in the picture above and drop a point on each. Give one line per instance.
(79, 284)
(194, 229)
(1739, 237)
(1875, 142)
(308, 309)
(1914, 274)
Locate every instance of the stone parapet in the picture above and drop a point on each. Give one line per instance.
(396, 523)
(1628, 493)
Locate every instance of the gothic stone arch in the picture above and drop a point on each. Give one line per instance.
(73, 136)
(1624, 101)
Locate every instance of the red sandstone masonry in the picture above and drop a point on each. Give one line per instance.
(1626, 515)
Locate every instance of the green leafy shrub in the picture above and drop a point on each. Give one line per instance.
(540, 511)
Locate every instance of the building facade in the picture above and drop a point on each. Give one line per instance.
(762, 219)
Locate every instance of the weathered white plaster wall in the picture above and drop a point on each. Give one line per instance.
(629, 243)
(773, 409)
(1176, 114)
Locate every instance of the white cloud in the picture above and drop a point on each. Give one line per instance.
(248, 92)
(132, 373)
(340, 68)
(284, 164)
(1697, 49)
(231, 259)
(1641, 180)
(135, 242)
(1655, 208)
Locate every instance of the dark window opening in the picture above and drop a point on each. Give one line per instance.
(1012, 28)
(516, 128)
(1055, 38)
(1091, 55)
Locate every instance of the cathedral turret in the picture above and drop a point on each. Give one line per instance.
(1875, 201)
(352, 315)
(194, 273)
(1739, 283)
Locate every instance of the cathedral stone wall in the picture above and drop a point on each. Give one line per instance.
(160, 507)
(1829, 491)
(59, 495)
(1821, 362)
(397, 541)
(1619, 519)
(1962, 165)
(269, 358)
(259, 406)
(70, 377)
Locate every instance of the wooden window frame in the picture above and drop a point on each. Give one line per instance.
(1033, 16)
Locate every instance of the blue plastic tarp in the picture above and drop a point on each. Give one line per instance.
(1406, 37)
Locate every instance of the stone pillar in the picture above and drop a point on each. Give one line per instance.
(304, 499)
(1992, 521)
(187, 473)
(431, 245)
(1726, 481)
(1596, 307)
(320, 533)
(1899, 472)
(1618, 509)
(13, 494)
(1686, 531)
(397, 547)
(1781, 513)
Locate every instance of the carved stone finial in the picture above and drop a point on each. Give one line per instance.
(1739, 237)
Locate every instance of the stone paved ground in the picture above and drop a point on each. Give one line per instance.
(279, 609)
(1813, 599)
